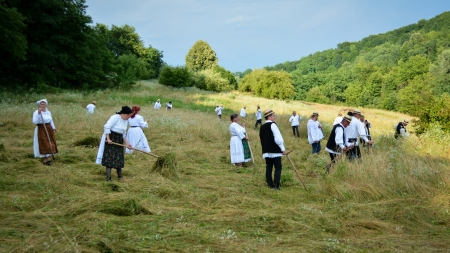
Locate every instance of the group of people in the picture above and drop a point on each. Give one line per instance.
(346, 137)
(115, 133)
(125, 126)
(157, 105)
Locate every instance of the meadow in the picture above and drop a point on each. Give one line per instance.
(395, 199)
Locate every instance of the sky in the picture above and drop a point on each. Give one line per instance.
(249, 34)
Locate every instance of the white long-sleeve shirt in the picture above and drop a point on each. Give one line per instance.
(338, 139)
(278, 140)
(46, 115)
(314, 132)
(90, 108)
(295, 120)
(116, 124)
(258, 114)
(219, 110)
(355, 128)
(157, 105)
(137, 121)
(243, 113)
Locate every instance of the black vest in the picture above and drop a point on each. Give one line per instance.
(331, 144)
(397, 130)
(267, 139)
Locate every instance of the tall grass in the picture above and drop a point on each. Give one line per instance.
(395, 199)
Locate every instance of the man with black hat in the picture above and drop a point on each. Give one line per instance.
(272, 144)
(355, 129)
(400, 130)
(336, 142)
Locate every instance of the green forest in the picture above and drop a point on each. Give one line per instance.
(52, 44)
(405, 70)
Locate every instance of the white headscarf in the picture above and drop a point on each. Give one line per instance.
(42, 100)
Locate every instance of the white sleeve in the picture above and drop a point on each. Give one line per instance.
(277, 136)
(291, 118)
(37, 118)
(110, 123)
(338, 139)
(142, 122)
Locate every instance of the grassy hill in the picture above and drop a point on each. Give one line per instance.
(396, 199)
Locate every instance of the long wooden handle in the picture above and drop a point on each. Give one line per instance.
(295, 169)
(148, 153)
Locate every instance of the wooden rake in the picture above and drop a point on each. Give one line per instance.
(295, 169)
(148, 153)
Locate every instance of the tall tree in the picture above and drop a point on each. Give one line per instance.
(201, 56)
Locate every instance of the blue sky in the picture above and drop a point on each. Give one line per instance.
(249, 34)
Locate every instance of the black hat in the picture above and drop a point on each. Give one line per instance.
(125, 110)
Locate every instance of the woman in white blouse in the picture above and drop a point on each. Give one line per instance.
(239, 149)
(110, 155)
(44, 142)
(135, 135)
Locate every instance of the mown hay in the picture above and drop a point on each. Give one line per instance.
(129, 208)
(89, 141)
(166, 165)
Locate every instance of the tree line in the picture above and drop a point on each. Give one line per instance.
(406, 70)
(53, 44)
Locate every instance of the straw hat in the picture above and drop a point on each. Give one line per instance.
(268, 112)
(357, 112)
(315, 114)
(348, 118)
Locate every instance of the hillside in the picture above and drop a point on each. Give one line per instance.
(395, 199)
(404, 70)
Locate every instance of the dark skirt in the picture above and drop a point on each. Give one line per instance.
(47, 143)
(247, 152)
(113, 155)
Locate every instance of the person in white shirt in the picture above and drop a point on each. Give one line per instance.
(258, 115)
(336, 142)
(315, 134)
(218, 111)
(272, 145)
(352, 132)
(239, 149)
(338, 119)
(295, 122)
(157, 105)
(109, 154)
(243, 114)
(366, 125)
(44, 141)
(169, 106)
(135, 135)
(400, 129)
(91, 107)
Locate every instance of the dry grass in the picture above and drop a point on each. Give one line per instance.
(394, 200)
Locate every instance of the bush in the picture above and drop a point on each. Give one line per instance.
(268, 84)
(214, 81)
(175, 76)
(131, 69)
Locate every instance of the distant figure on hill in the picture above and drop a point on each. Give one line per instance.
(109, 154)
(315, 134)
(135, 135)
(272, 145)
(336, 142)
(218, 111)
(44, 141)
(243, 113)
(295, 122)
(400, 130)
(169, 106)
(91, 107)
(239, 149)
(157, 105)
(338, 119)
(355, 129)
(258, 115)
